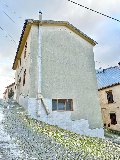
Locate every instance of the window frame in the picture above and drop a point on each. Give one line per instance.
(111, 119)
(25, 50)
(57, 99)
(20, 61)
(109, 92)
(24, 78)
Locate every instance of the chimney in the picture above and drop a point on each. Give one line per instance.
(40, 16)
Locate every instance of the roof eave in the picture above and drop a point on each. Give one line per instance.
(25, 32)
(115, 84)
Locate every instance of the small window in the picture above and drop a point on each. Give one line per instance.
(109, 125)
(104, 124)
(20, 61)
(26, 45)
(20, 80)
(24, 53)
(24, 77)
(110, 97)
(25, 50)
(62, 104)
(113, 118)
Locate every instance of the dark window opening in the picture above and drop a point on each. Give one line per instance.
(25, 50)
(110, 97)
(104, 124)
(24, 53)
(20, 80)
(26, 45)
(20, 61)
(109, 125)
(24, 77)
(62, 104)
(113, 118)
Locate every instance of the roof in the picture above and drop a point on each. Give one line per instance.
(12, 84)
(5, 91)
(108, 77)
(27, 26)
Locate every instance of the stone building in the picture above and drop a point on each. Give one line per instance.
(9, 88)
(109, 93)
(55, 76)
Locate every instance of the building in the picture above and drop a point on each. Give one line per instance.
(55, 76)
(10, 88)
(109, 93)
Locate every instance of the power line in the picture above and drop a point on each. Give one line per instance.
(7, 34)
(9, 17)
(10, 9)
(94, 10)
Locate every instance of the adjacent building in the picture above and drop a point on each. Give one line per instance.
(9, 89)
(109, 93)
(55, 76)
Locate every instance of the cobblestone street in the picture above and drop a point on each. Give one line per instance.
(19, 140)
(22, 143)
(8, 148)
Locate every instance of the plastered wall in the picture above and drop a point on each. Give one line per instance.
(22, 92)
(68, 71)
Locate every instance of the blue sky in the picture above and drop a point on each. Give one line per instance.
(103, 30)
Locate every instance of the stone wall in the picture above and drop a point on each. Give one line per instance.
(111, 107)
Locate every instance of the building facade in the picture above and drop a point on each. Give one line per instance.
(9, 89)
(109, 93)
(55, 76)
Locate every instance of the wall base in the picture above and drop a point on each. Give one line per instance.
(62, 119)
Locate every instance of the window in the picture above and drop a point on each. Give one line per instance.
(62, 104)
(113, 118)
(20, 80)
(110, 96)
(25, 50)
(24, 53)
(24, 76)
(104, 124)
(20, 61)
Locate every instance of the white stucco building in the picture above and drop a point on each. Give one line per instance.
(55, 76)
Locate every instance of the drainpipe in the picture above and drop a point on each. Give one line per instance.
(39, 60)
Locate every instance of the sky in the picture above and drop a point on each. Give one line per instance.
(102, 29)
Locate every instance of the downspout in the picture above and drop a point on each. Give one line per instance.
(39, 61)
(40, 98)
